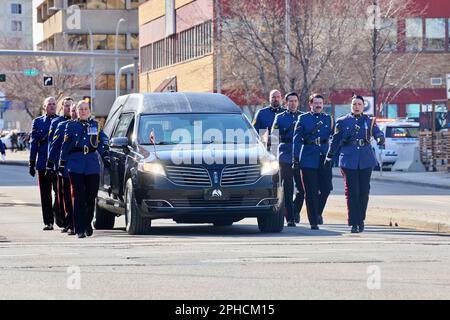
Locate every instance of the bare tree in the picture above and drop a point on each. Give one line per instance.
(377, 61)
(30, 89)
(254, 35)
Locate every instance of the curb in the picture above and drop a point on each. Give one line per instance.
(416, 183)
(22, 163)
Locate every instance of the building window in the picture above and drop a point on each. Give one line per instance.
(121, 42)
(435, 34)
(189, 44)
(80, 3)
(16, 25)
(389, 35)
(107, 82)
(134, 41)
(390, 111)
(135, 3)
(16, 8)
(78, 41)
(341, 110)
(414, 34)
(413, 110)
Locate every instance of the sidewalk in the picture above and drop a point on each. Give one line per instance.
(426, 179)
(19, 158)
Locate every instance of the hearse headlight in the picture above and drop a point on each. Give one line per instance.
(154, 168)
(269, 167)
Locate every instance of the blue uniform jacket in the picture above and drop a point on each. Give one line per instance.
(353, 136)
(53, 126)
(285, 124)
(2, 148)
(83, 141)
(264, 118)
(311, 127)
(54, 151)
(39, 140)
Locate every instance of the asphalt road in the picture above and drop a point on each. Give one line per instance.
(238, 262)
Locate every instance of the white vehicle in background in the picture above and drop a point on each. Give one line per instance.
(399, 133)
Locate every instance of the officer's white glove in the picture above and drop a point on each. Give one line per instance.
(3, 157)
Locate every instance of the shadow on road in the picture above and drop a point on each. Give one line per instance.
(250, 231)
(208, 231)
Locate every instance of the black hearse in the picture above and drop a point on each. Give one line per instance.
(190, 157)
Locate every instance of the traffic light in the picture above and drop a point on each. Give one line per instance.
(87, 99)
(2, 77)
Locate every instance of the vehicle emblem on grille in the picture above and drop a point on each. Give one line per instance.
(217, 194)
(216, 177)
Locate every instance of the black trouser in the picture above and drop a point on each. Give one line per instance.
(85, 189)
(45, 190)
(317, 184)
(66, 202)
(59, 214)
(290, 178)
(357, 188)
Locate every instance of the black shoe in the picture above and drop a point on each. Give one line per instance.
(315, 227)
(291, 224)
(64, 230)
(89, 230)
(361, 227)
(82, 235)
(48, 227)
(70, 232)
(320, 220)
(354, 229)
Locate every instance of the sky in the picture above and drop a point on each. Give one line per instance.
(37, 27)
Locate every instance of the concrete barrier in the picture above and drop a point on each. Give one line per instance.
(408, 159)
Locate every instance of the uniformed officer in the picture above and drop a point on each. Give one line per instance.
(357, 159)
(283, 126)
(2, 150)
(311, 141)
(264, 118)
(64, 191)
(50, 173)
(38, 159)
(83, 141)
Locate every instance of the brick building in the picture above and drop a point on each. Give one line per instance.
(177, 52)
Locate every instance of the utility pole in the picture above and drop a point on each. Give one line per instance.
(218, 47)
(287, 31)
(375, 56)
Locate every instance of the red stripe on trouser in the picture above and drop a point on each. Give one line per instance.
(71, 194)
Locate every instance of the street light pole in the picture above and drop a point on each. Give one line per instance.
(116, 63)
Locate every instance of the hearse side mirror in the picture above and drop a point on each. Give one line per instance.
(120, 143)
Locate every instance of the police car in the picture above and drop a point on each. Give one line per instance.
(398, 133)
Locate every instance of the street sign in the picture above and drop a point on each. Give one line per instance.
(2, 77)
(48, 81)
(31, 72)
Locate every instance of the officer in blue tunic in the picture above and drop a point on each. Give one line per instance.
(38, 159)
(283, 127)
(64, 190)
(357, 159)
(311, 141)
(2, 150)
(264, 118)
(84, 140)
(66, 103)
